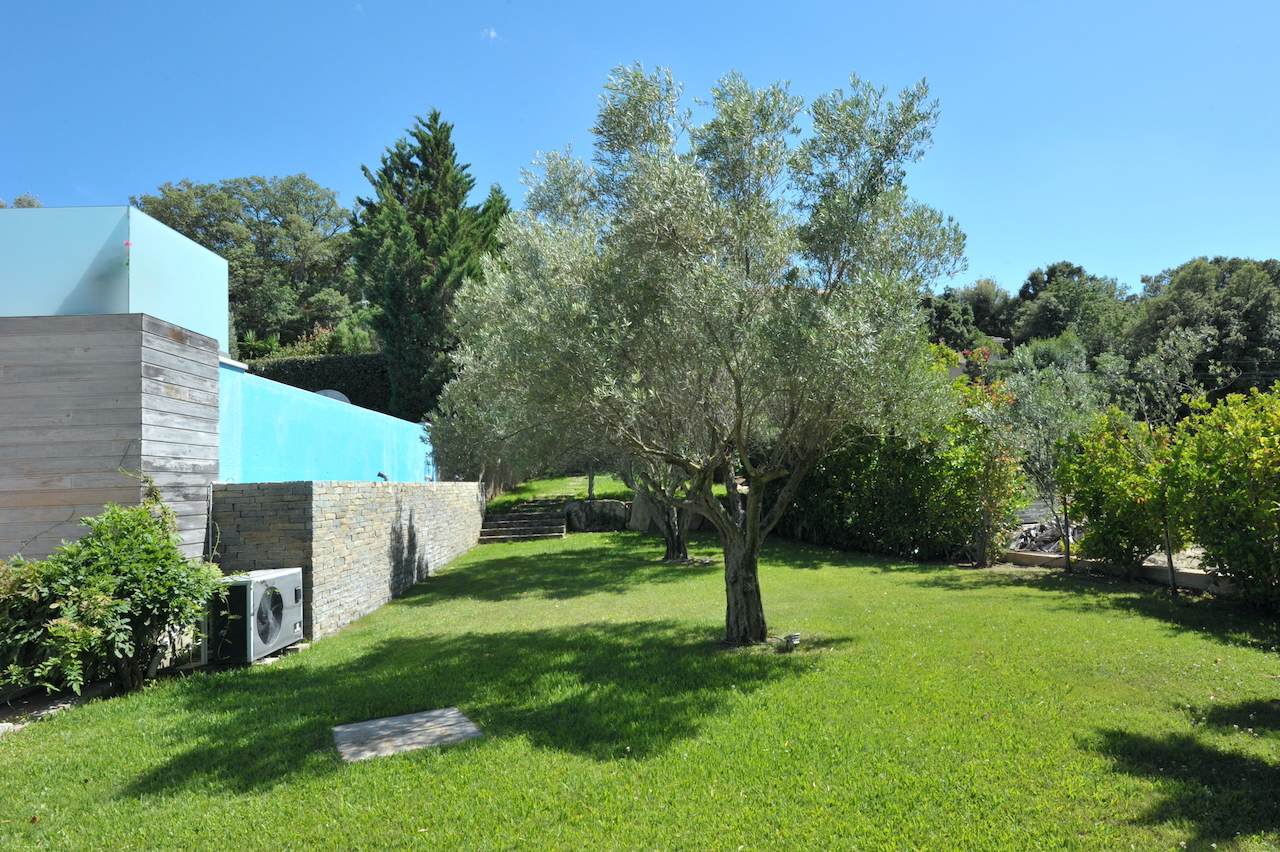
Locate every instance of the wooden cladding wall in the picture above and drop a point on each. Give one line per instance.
(84, 397)
(180, 422)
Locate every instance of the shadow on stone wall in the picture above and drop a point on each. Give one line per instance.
(408, 563)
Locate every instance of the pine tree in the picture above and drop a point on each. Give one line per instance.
(416, 241)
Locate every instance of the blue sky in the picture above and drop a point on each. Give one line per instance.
(1127, 137)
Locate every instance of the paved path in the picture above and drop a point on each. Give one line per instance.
(394, 734)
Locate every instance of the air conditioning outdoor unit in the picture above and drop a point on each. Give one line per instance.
(261, 613)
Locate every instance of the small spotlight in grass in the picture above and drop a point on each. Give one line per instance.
(790, 642)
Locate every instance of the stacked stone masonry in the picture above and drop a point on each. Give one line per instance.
(358, 543)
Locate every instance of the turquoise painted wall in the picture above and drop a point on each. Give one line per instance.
(59, 261)
(269, 432)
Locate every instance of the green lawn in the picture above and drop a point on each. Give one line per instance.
(928, 708)
(608, 487)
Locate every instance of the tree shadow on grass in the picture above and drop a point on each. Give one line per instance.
(1225, 620)
(803, 556)
(583, 564)
(1219, 792)
(602, 691)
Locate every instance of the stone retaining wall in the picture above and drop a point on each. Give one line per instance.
(358, 543)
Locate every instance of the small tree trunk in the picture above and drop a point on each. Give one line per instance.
(1066, 533)
(671, 522)
(1168, 552)
(591, 480)
(130, 673)
(982, 548)
(675, 532)
(744, 610)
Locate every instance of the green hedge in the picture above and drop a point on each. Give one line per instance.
(1119, 478)
(363, 378)
(1214, 481)
(953, 495)
(944, 499)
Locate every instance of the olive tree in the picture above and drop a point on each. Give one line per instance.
(716, 300)
(1054, 403)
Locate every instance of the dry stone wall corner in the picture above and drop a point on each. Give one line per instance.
(359, 544)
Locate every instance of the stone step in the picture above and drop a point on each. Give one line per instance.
(531, 520)
(534, 521)
(524, 516)
(500, 537)
(538, 521)
(556, 501)
(523, 531)
(490, 535)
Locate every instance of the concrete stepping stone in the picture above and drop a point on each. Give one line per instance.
(394, 734)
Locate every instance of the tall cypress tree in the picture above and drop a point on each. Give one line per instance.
(416, 240)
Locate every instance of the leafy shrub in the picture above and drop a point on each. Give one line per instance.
(103, 606)
(363, 378)
(1120, 478)
(1230, 470)
(349, 336)
(949, 495)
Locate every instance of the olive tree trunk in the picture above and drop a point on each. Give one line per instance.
(742, 531)
(744, 622)
(674, 525)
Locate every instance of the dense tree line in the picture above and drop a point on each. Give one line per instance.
(286, 245)
(1211, 325)
(1081, 352)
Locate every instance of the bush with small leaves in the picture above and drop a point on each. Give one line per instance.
(1120, 479)
(947, 496)
(1230, 471)
(101, 607)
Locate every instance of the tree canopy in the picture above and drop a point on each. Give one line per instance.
(1064, 297)
(415, 241)
(714, 299)
(26, 199)
(1231, 305)
(285, 243)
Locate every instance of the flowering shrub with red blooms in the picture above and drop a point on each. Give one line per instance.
(977, 364)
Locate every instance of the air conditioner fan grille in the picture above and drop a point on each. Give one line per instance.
(269, 618)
